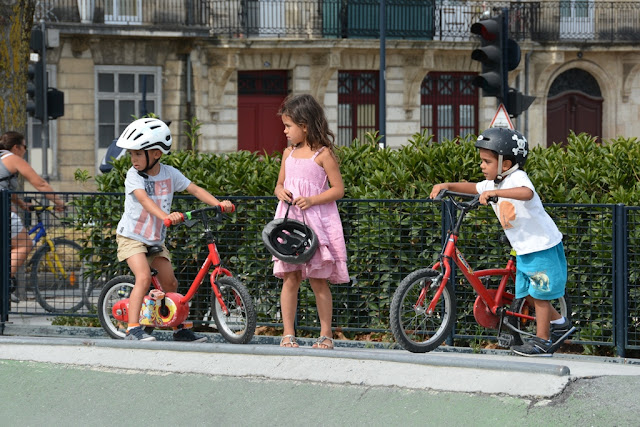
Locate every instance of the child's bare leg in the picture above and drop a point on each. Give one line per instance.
(324, 302)
(166, 277)
(140, 269)
(545, 313)
(289, 300)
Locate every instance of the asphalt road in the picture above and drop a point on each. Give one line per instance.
(87, 381)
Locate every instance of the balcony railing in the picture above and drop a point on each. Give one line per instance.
(447, 20)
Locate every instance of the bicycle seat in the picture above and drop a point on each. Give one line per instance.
(155, 249)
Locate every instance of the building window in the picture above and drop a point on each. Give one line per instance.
(448, 105)
(358, 102)
(121, 12)
(122, 95)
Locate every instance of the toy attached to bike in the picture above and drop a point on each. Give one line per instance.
(423, 309)
(232, 308)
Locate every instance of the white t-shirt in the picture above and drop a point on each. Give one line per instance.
(138, 224)
(527, 225)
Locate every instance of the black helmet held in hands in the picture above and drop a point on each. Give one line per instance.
(290, 240)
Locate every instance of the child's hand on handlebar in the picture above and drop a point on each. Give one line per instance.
(488, 196)
(174, 218)
(227, 206)
(437, 189)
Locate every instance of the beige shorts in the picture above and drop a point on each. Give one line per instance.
(128, 247)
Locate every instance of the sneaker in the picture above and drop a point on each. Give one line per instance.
(557, 331)
(138, 334)
(535, 347)
(188, 335)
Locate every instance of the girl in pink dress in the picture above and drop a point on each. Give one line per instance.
(310, 179)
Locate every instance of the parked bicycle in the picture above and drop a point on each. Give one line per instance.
(56, 269)
(231, 305)
(423, 309)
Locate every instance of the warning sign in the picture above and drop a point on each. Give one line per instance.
(501, 119)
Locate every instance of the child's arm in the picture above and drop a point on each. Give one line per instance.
(518, 193)
(280, 192)
(150, 206)
(204, 196)
(458, 187)
(330, 164)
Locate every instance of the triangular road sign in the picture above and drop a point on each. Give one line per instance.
(501, 119)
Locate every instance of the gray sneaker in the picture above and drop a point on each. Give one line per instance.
(535, 347)
(187, 335)
(557, 331)
(138, 334)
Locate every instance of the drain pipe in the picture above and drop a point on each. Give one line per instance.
(189, 113)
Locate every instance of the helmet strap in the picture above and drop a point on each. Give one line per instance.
(503, 175)
(143, 173)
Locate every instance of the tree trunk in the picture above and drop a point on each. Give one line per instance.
(16, 20)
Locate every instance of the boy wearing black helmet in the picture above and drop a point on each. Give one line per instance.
(541, 273)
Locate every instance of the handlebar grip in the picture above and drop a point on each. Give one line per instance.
(233, 208)
(168, 223)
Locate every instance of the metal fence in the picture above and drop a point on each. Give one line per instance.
(386, 239)
(448, 20)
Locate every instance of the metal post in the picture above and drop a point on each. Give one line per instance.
(5, 257)
(504, 43)
(620, 278)
(383, 89)
(44, 131)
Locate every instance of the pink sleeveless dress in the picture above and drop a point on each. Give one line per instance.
(304, 177)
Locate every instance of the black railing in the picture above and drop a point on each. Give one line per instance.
(447, 20)
(386, 239)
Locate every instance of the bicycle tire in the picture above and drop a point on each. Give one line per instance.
(239, 325)
(57, 294)
(412, 328)
(523, 306)
(113, 291)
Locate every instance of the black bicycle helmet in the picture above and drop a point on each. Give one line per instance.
(505, 142)
(290, 240)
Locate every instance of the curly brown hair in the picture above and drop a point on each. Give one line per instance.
(304, 110)
(10, 139)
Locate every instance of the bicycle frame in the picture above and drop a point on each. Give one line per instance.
(495, 300)
(55, 265)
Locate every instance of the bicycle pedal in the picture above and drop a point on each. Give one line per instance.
(505, 340)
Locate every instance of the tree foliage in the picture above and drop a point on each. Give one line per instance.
(16, 20)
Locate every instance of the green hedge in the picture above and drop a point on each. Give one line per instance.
(384, 244)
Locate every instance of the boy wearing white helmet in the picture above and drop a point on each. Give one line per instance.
(541, 265)
(149, 189)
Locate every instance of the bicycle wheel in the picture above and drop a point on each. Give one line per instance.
(57, 277)
(116, 289)
(239, 325)
(525, 306)
(413, 328)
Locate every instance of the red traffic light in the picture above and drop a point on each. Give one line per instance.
(488, 29)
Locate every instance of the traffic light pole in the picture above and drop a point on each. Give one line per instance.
(44, 130)
(504, 43)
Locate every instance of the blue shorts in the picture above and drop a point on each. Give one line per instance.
(543, 274)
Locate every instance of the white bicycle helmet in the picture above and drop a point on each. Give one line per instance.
(146, 134)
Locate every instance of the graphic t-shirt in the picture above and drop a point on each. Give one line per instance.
(138, 224)
(527, 225)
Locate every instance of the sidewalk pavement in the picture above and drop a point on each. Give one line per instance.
(262, 382)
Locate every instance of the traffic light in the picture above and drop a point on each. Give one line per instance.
(35, 90)
(490, 54)
(498, 54)
(36, 77)
(55, 103)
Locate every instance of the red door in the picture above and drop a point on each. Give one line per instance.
(260, 94)
(573, 111)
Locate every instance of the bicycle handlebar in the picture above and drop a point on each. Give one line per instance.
(188, 215)
(474, 199)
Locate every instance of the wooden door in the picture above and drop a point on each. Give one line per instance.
(573, 111)
(260, 95)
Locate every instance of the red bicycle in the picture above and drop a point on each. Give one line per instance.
(423, 309)
(231, 305)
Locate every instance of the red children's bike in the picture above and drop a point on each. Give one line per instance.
(423, 309)
(231, 305)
